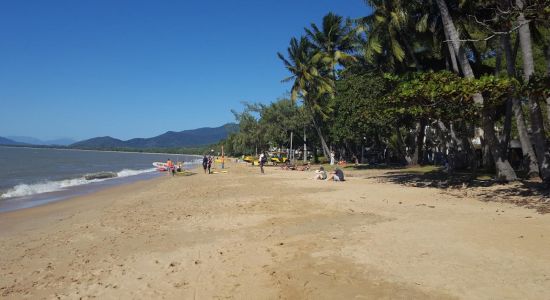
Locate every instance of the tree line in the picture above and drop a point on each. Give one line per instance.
(414, 82)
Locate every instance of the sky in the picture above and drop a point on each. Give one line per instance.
(130, 68)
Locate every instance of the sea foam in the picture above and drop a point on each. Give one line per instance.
(22, 190)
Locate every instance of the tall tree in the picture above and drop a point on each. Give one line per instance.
(308, 82)
(535, 112)
(388, 28)
(503, 167)
(529, 156)
(334, 41)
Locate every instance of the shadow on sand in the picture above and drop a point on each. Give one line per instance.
(526, 193)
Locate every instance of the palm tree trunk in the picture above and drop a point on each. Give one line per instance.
(452, 53)
(503, 167)
(400, 145)
(537, 123)
(420, 125)
(411, 52)
(498, 59)
(419, 142)
(454, 39)
(452, 143)
(529, 157)
(326, 151)
(548, 73)
(504, 170)
(507, 128)
(487, 156)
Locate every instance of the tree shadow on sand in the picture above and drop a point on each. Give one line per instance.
(525, 193)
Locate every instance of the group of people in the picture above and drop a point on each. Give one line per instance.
(336, 175)
(207, 164)
(173, 168)
(321, 174)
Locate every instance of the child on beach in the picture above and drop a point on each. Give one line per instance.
(209, 164)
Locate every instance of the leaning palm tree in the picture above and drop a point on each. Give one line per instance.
(309, 83)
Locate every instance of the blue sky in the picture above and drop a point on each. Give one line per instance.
(128, 69)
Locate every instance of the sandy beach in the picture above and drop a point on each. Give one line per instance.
(282, 235)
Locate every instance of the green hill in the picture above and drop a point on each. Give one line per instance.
(170, 139)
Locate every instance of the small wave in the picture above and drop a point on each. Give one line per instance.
(22, 190)
(130, 172)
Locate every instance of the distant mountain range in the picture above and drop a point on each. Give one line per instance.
(35, 141)
(170, 139)
(6, 141)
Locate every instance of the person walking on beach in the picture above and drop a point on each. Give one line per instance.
(332, 157)
(209, 164)
(170, 167)
(263, 160)
(205, 163)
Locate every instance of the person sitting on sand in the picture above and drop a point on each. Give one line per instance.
(320, 174)
(337, 175)
(304, 167)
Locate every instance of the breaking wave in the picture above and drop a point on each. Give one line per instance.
(22, 190)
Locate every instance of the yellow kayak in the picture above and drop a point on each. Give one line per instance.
(248, 159)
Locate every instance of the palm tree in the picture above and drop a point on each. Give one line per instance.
(333, 41)
(503, 167)
(387, 29)
(388, 43)
(524, 139)
(535, 112)
(308, 82)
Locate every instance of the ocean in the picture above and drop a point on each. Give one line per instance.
(35, 176)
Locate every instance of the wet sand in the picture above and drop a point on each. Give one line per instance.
(280, 235)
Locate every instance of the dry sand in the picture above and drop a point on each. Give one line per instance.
(274, 236)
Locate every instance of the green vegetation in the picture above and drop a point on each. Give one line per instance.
(439, 82)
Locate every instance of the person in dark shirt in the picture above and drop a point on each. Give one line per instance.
(337, 175)
(205, 163)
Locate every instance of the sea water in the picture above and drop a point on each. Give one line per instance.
(34, 176)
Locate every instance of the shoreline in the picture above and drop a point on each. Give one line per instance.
(41, 199)
(56, 210)
(280, 235)
(51, 179)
